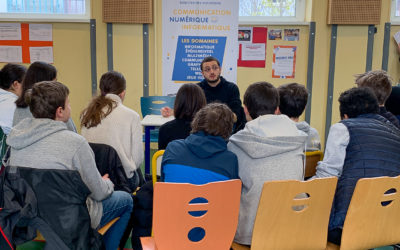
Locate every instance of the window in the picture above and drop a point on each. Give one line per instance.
(45, 10)
(395, 15)
(271, 11)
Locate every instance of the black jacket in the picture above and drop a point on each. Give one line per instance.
(48, 200)
(108, 162)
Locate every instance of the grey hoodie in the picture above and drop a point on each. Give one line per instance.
(47, 144)
(313, 140)
(268, 148)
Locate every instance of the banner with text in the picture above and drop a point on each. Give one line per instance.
(193, 30)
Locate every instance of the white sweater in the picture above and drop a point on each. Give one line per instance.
(122, 130)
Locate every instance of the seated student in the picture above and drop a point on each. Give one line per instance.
(11, 76)
(393, 102)
(106, 120)
(37, 72)
(293, 100)
(189, 99)
(381, 84)
(270, 147)
(45, 142)
(364, 144)
(203, 156)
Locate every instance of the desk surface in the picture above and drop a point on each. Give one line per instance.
(155, 120)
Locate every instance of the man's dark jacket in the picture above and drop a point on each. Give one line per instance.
(373, 151)
(227, 93)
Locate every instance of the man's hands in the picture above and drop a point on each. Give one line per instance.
(167, 112)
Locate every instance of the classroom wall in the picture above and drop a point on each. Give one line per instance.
(72, 58)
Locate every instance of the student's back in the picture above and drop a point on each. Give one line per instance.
(106, 120)
(270, 147)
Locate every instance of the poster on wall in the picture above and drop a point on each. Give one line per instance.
(26, 43)
(284, 61)
(192, 30)
(252, 44)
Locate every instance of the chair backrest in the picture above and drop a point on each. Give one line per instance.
(172, 219)
(294, 214)
(312, 159)
(156, 164)
(373, 217)
(151, 105)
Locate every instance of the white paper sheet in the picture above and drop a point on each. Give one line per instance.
(253, 52)
(284, 61)
(11, 54)
(40, 32)
(44, 54)
(10, 31)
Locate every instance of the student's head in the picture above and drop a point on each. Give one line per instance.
(49, 99)
(11, 76)
(260, 98)
(37, 72)
(214, 119)
(113, 82)
(379, 81)
(211, 69)
(393, 102)
(292, 99)
(101, 106)
(358, 101)
(189, 99)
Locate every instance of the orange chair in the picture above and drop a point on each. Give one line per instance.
(312, 159)
(172, 220)
(373, 217)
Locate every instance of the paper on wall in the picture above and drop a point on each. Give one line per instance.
(44, 54)
(10, 31)
(11, 54)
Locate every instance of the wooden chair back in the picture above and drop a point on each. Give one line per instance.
(373, 217)
(294, 214)
(156, 165)
(172, 219)
(312, 159)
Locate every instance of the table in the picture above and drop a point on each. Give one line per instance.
(149, 123)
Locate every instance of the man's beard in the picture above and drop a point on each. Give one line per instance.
(213, 81)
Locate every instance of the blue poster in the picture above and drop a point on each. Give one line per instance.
(191, 50)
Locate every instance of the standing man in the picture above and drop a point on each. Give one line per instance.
(217, 89)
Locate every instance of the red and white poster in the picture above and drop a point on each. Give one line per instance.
(284, 61)
(26, 43)
(252, 46)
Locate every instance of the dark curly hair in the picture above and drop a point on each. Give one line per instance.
(214, 119)
(261, 98)
(358, 101)
(293, 99)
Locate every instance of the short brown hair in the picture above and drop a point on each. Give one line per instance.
(209, 59)
(45, 98)
(379, 81)
(189, 99)
(214, 119)
(261, 98)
